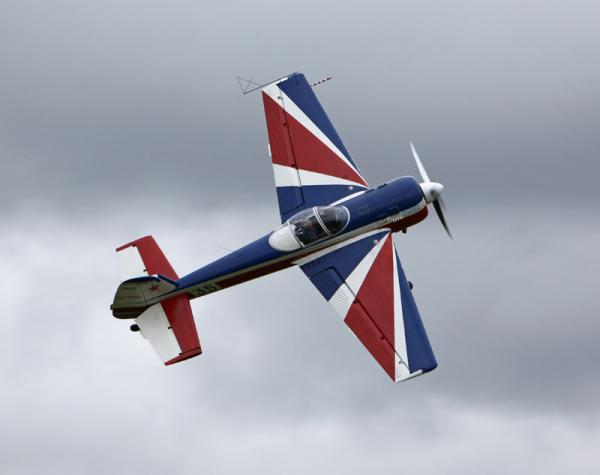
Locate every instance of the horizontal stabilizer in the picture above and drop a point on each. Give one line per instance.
(143, 257)
(170, 329)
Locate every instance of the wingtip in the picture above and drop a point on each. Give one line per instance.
(184, 356)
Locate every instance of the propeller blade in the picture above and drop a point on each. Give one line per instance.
(442, 203)
(438, 204)
(420, 166)
(428, 188)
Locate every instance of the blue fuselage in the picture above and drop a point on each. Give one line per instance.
(396, 205)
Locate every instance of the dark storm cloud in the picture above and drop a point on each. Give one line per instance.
(120, 119)
(114, 99)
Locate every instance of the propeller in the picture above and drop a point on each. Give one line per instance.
(431, 191)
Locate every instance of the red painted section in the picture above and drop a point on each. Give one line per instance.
(293, 145)
(125, 246)
(181, 319)
(409, 220)
(313, 155)
(363, 327)
(184, 356)
(279, 139)
(153, 258)
(371, 316)
(377, 291)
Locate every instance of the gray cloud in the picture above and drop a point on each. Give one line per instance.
(281, 382)
(120, 119)
(126, 98)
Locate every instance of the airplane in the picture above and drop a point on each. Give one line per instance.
(334, 226)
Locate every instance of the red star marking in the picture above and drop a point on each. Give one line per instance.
(154, 288)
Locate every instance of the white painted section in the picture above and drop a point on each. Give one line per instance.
(269, 88)
(342, 300)
(413, 209)
(308, 178)
(273, 91)
(404, 377)
(420, 166)
(154, 326)
(283, 239)
(349, 197)
(401, 371)
(431, 190)
(129, 294)
(130, 263)
(291, 108)
(403, 214)
(286, 176)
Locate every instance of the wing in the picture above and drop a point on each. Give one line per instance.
(363, 280)
(310, 163)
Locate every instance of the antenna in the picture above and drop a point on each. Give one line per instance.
(248, 85)
(321, 81)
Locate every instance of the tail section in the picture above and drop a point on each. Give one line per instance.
(144, 295)
(143, 257)
(135, 295)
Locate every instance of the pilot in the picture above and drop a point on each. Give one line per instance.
(309, 231)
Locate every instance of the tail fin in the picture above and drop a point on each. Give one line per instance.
(148, 280)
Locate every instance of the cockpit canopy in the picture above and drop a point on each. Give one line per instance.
(309, 227)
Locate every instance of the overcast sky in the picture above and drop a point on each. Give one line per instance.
(124, 118)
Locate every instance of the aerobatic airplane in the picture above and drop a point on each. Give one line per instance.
(334, 226)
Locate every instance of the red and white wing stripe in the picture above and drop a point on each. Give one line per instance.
(303, 132)
(364, 282)
(310, 163)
